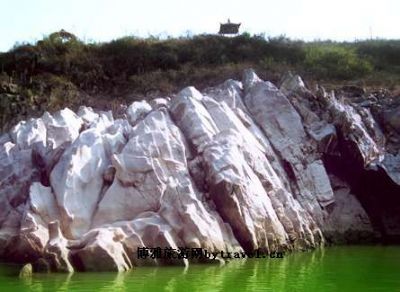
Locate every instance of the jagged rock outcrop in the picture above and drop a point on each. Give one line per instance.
(241, 166)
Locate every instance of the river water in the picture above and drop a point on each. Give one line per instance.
(351, 268)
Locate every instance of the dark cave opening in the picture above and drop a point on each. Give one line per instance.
(377, 193)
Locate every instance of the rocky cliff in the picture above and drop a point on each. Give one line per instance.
(242, 166)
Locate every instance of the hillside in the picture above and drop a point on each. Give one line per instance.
(62, 70)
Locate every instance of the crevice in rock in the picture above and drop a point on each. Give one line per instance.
(377, 193)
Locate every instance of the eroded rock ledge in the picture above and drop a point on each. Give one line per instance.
(241, 166)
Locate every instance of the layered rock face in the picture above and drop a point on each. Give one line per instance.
(242, 166)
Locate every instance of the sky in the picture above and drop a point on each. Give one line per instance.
(104, 20)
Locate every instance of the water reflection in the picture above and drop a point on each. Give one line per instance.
(334, 269)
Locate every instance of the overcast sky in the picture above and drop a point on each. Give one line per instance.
(102, 20)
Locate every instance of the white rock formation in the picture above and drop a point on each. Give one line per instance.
(238, 167)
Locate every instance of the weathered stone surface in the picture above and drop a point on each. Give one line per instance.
(392, 119)
(241, 166)
(137, 111)
(283, 126)
(24, 134)
(77, 181)
(77, 178)
(354, 132)
(56, 251)
(26, 271)
(150, 230)
(152, 175)
(40, 210)
(391, 164)
(347, 221)
(63, 126)
(101, 250)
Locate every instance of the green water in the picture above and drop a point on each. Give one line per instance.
(355, 268)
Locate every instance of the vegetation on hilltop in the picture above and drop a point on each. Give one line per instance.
(61, 70)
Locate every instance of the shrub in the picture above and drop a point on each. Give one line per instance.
(338, 62)
(385, 54)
